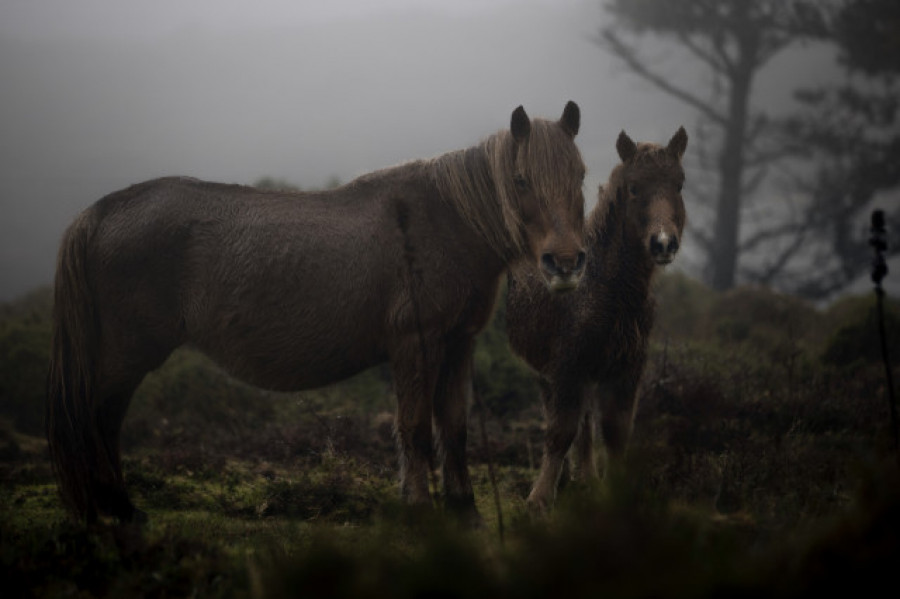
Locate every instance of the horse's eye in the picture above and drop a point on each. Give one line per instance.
(632, 189)
(520, 182)
(680, 185)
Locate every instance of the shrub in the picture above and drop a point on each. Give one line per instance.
(858, 339)
(24, 357)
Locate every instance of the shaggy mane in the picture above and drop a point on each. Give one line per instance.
(479, 181)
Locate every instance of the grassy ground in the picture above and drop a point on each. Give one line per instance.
(762, 464)
(337, 530)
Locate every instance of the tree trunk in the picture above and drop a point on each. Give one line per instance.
(724, 250)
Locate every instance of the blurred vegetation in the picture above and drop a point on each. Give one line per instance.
(24, 355)
(762, 463)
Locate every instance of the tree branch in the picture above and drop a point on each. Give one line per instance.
(702, 238)
(756, 179)
(628, 55)
(769, 234)
(775, 267)
(715, 62)
(727, 60)
(703, 197)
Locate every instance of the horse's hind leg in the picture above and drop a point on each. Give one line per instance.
(451, 424)
(563, 409)
(119, 375)
(109, 484)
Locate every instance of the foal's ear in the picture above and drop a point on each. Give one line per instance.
(571, 118)
(678, 143)
(626, 148)
(520, 125)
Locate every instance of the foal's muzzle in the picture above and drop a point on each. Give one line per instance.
(562, 273)
(663, 247)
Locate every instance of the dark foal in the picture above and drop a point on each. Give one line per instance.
(589, 347)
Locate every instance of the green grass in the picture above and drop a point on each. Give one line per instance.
(762, 464)
(258, 530)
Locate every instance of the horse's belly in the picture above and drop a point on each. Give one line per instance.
(290, 357)
(291, 371)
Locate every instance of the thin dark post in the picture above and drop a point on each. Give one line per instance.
(489, 455)
(879, 270)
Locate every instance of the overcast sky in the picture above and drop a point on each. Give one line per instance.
(98, 94)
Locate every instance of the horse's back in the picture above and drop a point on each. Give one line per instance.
(252, 278)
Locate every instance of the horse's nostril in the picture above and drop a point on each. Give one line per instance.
(549, 262)
(673, 245)
(655, 246)
(579, 261)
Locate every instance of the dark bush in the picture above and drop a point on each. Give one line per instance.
(859, 339)
(24, 357)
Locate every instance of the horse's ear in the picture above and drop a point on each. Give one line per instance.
(626, 148)
(571, 118)
(520, 125)
(678, 143)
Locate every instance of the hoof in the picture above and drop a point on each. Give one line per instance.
(463, 510)
(538, 507)
(134, 516)
(139, 516)
(470, 519)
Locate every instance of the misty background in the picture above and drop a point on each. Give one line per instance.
(97, 95)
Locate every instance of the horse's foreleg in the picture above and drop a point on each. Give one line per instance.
(415, 370)
(562, 411)
(450, 421)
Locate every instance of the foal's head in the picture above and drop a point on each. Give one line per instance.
(547, 175)
(651, 181)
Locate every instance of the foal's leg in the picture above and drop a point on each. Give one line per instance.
(450, 420)
(562, 412)
(618, 404)
(415, 368)
(583, 450)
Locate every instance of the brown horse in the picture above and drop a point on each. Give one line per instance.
(292, 291)
(594, 341)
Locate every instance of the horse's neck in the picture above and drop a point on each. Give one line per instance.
(618, 260)
(465, 182)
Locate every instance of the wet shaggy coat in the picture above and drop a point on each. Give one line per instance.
(589, 347)
(293, 291)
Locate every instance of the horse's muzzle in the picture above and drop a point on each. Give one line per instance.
(562, 274)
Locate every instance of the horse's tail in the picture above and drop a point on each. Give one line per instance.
(76, 445)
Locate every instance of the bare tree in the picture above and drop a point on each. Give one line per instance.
(733, 40)
(849, 133)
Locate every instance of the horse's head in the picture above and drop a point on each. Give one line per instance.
(652, 177)
(547, 177)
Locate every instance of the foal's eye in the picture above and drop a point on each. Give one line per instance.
(521, 182)
(632, 189)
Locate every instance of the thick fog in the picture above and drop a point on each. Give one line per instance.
(97, 95)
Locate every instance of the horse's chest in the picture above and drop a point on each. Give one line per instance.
(461, 307)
